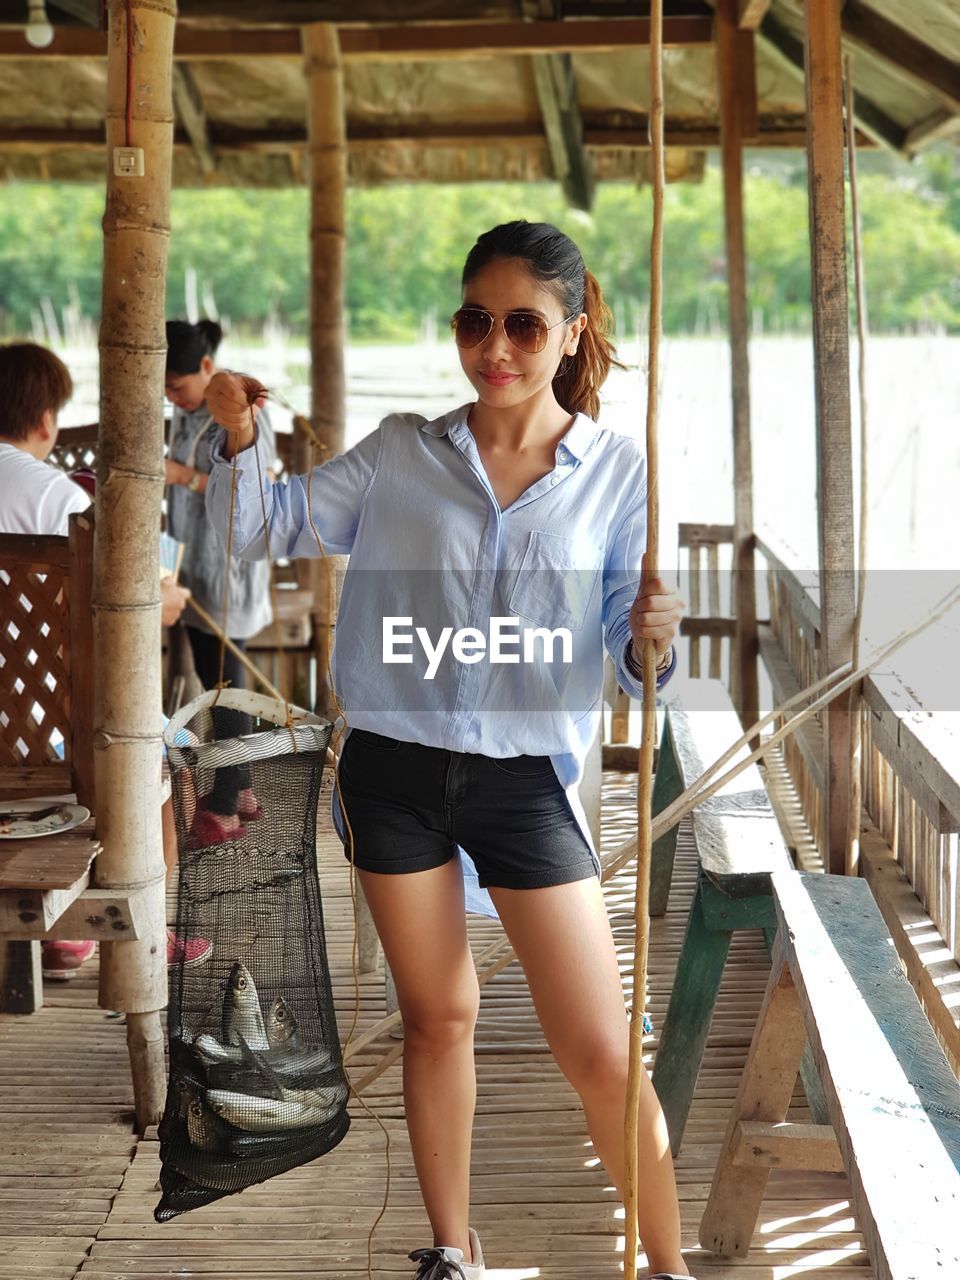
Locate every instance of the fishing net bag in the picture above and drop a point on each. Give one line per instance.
(256, 1075)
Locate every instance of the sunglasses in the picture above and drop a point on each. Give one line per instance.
(525, 329)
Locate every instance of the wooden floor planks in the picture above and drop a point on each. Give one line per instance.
(77, 1191)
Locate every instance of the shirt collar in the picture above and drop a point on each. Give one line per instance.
(578, 439)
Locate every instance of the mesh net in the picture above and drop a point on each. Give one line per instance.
(256, 1076)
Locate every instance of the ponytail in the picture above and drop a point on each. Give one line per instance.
(188, 344)
(578, 380)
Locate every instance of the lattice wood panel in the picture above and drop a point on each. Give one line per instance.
(34, 664)
(75, 447)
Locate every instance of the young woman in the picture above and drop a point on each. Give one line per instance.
(516, 511)
(190, 366)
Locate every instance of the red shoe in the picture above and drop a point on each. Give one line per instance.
(209, 828)
(248, 807)
(61, 960)
(187, 951)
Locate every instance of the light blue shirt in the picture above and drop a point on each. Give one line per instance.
(412, 506)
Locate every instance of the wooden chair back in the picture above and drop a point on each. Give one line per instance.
(46, 663)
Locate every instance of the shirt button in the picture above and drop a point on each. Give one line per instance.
(562, 454)
(555, 480)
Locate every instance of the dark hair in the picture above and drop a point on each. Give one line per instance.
(32, 381)
(187, 344)
(552, 258)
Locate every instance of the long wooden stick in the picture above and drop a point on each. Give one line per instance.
(237, 652)
(649, 719)
(856, 699)
(705, 786)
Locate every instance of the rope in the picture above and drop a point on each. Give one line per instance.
(649, 721)
(856, 727)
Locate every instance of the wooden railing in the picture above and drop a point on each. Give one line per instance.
(911, 793)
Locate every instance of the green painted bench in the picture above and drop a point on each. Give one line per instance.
(892, 1099)
(739, 846)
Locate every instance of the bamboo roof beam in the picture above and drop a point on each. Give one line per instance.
(363, 12)
(871, 119)
(285, 138)
(869, 30)
(467, 40)
(188, 106)
(935, 128)
(556, 85)
(750, 13)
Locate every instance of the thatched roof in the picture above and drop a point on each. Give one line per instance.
(430, 97)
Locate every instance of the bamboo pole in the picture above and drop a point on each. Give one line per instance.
(649, 708)
(733, 94)
(327, 175)
(824, 102)
(126, 580)
(856, 698)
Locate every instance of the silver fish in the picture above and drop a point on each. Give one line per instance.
(201, 1127)
(281, 1024)
(213, 1053)
(242, 1015)
(298, 1109)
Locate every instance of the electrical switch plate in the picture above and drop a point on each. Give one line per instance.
(128, 162)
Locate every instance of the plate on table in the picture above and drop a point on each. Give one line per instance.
(28, 818)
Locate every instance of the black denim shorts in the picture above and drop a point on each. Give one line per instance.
(409, 806)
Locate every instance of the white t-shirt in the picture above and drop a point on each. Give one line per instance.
(34, 496)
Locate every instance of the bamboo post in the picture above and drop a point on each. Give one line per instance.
(734, 94)
(649, 709)
(856, 728)
(824, 103)
(327, 175)
(126, 578)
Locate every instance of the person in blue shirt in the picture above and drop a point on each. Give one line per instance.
(494, 553)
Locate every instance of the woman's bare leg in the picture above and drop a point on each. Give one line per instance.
(563, 940)
(421, 922)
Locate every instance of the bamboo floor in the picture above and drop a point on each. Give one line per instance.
(77, 1188)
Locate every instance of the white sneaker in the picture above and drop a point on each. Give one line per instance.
(446, 1263)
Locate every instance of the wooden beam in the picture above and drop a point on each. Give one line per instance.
(831, 358)
(86, 11)
(787, 1146)
(871, 119)
(189, 110)
(467, 40)
(281, 139)
(911, 57)
(750, 13)
(556, 85)
(935, 128)
(377, 12)
(733, 93)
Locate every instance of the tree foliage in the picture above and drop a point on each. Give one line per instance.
(406, 246)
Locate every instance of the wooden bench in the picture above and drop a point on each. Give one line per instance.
(739, 847)
(893, 1101)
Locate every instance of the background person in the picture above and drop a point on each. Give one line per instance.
(191, 348)
(38, 498)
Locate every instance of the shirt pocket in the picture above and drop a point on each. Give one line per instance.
(556, 581)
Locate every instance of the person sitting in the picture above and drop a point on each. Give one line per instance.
(38, 498)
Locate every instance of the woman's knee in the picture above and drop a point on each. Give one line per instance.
(442, 1023)
(595, 1062)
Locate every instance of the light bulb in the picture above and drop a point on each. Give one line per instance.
(39, 32)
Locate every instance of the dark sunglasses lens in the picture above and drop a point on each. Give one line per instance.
(470, 327)
(527, 332)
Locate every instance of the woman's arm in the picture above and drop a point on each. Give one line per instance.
(336, 490)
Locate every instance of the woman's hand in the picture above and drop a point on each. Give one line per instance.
(177, 472)
(233, 399)
(655, 614)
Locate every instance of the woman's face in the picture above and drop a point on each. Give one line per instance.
(188, 390)
(501, 374)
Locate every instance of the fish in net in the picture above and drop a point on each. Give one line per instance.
(256, 1084)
